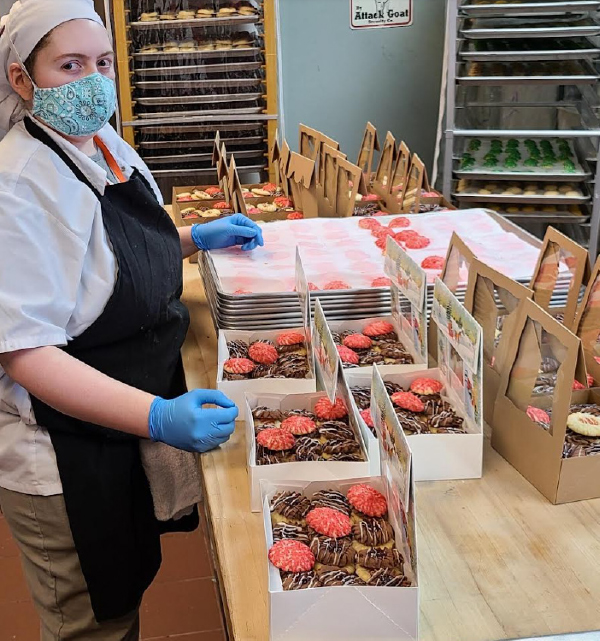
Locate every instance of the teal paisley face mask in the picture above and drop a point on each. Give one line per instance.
(79, 108)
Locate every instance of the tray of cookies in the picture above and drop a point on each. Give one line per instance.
(161, 101)
(304, 437)
(219, 83)
(521, 49)
(566, 26)
(541, 159)
(488, 8)
(342, 560)
(162, 21)
(561, 72)
(520, 192)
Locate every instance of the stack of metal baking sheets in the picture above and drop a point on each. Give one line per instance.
(282, 310)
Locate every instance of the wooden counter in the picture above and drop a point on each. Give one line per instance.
(496, 560)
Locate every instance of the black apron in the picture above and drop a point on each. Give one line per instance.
(136, 340)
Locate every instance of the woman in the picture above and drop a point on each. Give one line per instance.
(91, 327)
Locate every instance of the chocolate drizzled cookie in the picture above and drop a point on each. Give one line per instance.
(309, 449)
(267, 414)
(289, 531)
(372, 531)
(333, 578)
(341, 446)
(237, 349)
(336, 430)
(362, 397)
(300, 581)
(331, 498)
(336, 552)
(377, 558)
(291, 505)
(292, 366)
(388, 579)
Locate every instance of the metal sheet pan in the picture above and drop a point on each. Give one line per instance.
(185, 158)
(520, 199)
(587, 76)
(209, 171)
(195, 22)
(518, 28)
(159, 101)
(547, 50)
(207, 112)
(196, 84)
(528, 8)
(480, 175)
(192, 144)
(227, 67)
(237, 52)
(195, 129)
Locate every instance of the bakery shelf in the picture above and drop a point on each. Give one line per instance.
(241, 52)
(198, 129)
(529, 28)
(523, 50)
(472, 193)
(195, 22)
(500, 175)
(492, 9)
(225, 68)
(482, 73)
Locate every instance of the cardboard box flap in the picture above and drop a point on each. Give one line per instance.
(396, 465)
(409, 299)
(460, 359)
(235, 187)
(216, 155)
(540, 344)
(587, 324)
(284, 160)
(274, 160)
(350, 183)
(458, 263)
(493, 299)
(385, 167)
(415, 184)
(328, 187)
(561, 269)
(368, 147)
(301, 170)
(325, 351)
(399, 178)
(309, 142)
(303, 291)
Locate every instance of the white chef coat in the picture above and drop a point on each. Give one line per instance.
(57, 272)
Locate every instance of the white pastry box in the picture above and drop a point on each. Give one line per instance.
(344, 613)
(403, 337)
(236, 389)
(299, 470)
(436, 457)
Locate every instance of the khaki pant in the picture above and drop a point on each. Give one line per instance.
(41, 529)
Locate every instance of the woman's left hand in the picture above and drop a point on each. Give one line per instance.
(230, 231)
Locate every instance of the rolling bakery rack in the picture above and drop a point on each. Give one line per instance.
(521, 133)
(189, 68)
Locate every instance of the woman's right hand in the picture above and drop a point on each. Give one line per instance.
(185, 424)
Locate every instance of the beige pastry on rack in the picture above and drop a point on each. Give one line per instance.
(205, 13)
(225, 12)
(185, 14)
(151, 16)
(167, 16)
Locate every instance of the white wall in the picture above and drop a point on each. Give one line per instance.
(335, 79)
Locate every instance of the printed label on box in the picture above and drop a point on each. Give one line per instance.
(325, 352)
(408, 292)
(395, 452)
(374, 14)
(460, 350)
(304, 297)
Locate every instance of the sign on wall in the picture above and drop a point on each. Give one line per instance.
(374, 14)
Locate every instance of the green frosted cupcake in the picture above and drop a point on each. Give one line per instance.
(531, 162)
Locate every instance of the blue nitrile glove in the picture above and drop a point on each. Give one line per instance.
(232, 230)
(183, 422)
